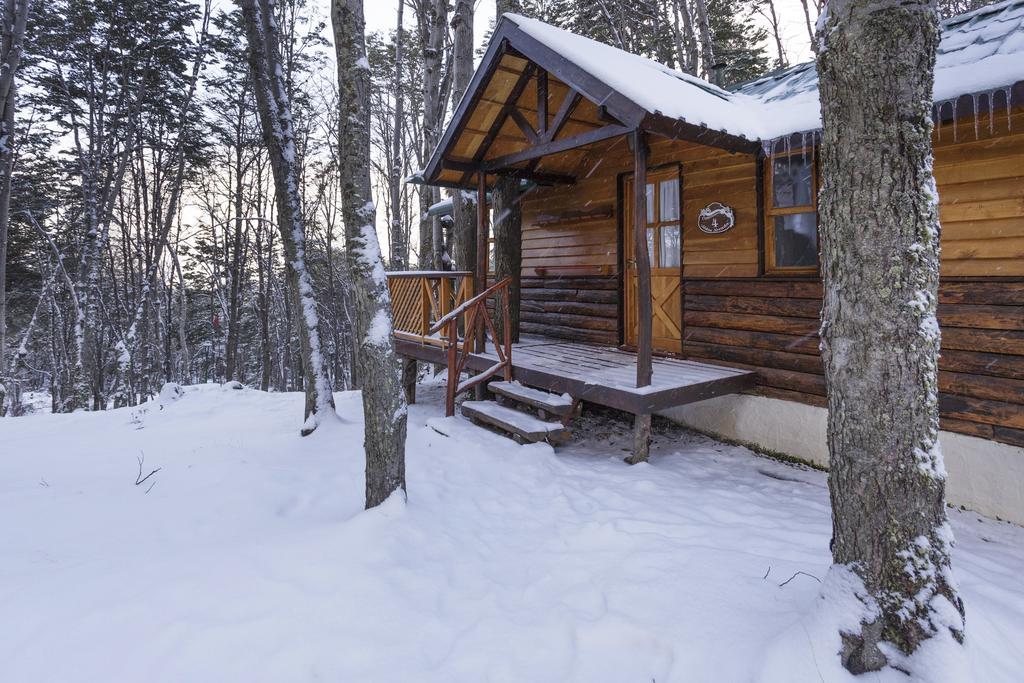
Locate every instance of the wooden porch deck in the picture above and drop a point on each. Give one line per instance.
(602, 375)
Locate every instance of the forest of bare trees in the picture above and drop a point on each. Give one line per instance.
(146, 238)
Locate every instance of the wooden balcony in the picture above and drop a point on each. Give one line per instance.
(420, 298)
(437, 311)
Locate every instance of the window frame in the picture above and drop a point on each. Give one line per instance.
(656, 176)
(771, 211)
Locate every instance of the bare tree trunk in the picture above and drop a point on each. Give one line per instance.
(508, 248)
(13, 36)
(276, 120)
(463, 211)
(767, 10)
(399, 246)
(879, 335)
(431, 19)
(810, 26)
(508, 227)
(707, 45)
(384, 406)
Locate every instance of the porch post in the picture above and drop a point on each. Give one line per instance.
(642, 423)
(643, 261)
(482, 233)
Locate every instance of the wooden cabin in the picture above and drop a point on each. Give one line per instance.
(670, 233)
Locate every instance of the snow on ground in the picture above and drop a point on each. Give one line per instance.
(247, 556)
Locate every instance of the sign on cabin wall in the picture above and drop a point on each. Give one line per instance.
(716, 218)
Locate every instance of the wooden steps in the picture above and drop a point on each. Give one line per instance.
(521, 426)
(545, 403)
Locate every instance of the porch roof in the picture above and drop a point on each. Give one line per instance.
(543, 98)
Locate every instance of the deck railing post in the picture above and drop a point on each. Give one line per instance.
(507, 329)
(453, 371)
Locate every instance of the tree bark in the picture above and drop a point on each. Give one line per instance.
(463, 209)
(508, 226)
(384, 406)
(508, 248)
(431, 20)
(707, 45)
(13, 36)
(879, 335)
(275, 116)
(399, 246)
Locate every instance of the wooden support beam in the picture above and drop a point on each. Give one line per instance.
(572, 98)
(643, 262)
(540, 177)
(482, 234)
(542, 102)
(524, 125)
(641, 439)
(555, 146)
(499, 120)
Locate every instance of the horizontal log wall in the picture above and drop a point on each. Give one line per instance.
(583, 308)
(734, 316)
(980, 175)
(772, 326)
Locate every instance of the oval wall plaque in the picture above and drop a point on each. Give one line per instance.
(716, 218)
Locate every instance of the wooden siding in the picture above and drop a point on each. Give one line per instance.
(981, 195)
(556, 242)
(734, 315)
(772, 326)
(582, 308)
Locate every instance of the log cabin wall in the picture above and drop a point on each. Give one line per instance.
(733, 314)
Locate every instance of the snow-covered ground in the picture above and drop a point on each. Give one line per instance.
(248, 557)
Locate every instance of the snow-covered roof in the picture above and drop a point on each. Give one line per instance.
(979, 52)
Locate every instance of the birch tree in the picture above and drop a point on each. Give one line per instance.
(879, 335)
(275, 115)
(384, 406)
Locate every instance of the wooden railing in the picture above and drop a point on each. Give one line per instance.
(438, 308)
(420, 298)
(476, 321)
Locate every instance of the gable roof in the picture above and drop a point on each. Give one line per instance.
(979, 52)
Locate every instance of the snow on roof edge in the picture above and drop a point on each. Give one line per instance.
(981, 51)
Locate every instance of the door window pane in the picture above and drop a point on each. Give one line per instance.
(796, 240)
(669, 195)
(669, 253)
(792, 181)
(650, 202)
(650, 245)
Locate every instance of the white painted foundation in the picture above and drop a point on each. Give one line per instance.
(985, 476)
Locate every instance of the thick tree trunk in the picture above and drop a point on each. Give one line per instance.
(508, 248)
(463, 209)
(384, 406)
(879, 335)
(276, 120)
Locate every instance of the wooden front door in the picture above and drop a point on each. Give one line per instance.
(665, 248)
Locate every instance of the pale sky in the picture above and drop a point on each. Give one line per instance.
(380, 15)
